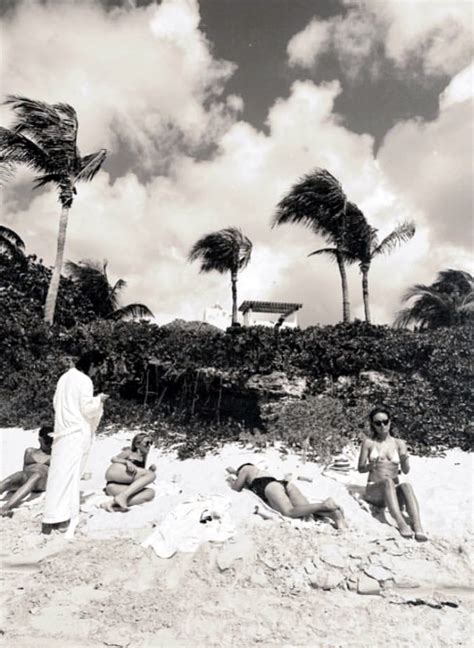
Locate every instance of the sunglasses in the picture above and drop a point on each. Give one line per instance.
(382, 422)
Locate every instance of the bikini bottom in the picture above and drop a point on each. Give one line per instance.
(259, 485)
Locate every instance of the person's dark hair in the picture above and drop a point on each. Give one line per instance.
(137, 438)
(89, 358)
(242, 466)
(380, 409)
(45, 432)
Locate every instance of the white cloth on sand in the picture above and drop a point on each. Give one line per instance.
(77, 413)
(182, 529)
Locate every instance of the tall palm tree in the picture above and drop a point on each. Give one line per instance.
(12, 245)
(43, 137)
(368, 247)
(226, 250)
(92, 278)
(449, 301)
(319, 202)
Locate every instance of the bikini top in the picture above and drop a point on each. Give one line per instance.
(139, 463)
(391, 456)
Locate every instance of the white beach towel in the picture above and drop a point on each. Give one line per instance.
(183, 530)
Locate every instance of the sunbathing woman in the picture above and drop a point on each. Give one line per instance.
(33, 477)
(127, 476)
(382, 456)
(284, 496)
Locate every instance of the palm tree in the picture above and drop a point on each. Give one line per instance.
(368, 247)
(11, 244)
(92, 278)
(43, 138)
(319, 202)
(227, 250)
(449, 301)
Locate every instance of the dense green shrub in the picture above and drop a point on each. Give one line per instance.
(184, 372)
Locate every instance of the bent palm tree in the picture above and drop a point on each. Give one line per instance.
(369, 246)
(11, 244)
(449, 301)
(226, 250)
(319, 202)
(92, 278)
(43, 138)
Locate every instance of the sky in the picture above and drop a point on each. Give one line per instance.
(212, 109)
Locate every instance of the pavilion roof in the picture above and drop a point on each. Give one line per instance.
(269, 307)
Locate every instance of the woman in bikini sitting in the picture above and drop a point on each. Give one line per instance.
(33, 477)
(382, 456)
(127, 477)
(284, 496)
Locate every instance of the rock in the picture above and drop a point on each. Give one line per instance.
(326, 580)
(378, 573)
(277, 384)
(331, 555)
(368, 586)
(406, 583)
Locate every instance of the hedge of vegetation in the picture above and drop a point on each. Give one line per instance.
(175, 378)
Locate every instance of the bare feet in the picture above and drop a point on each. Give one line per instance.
(5, 512)
(405, 531)
(329, 505)
(121, 502)
(420, 536)
(108, 506)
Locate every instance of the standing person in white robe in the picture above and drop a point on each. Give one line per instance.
(77, 413)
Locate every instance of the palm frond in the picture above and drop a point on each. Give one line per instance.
(223, 251)
(316, 201)
(16, 149)
(331, 252)
(90, 165)
(136, 311)
(12, 237)
(52, 127)
(402, 233)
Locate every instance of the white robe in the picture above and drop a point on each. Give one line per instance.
(77, 413)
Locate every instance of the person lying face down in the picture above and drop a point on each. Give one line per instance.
(284, 496)
(33, 477)
(384, 457)
(127, 477)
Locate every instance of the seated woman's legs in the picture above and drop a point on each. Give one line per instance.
(127, 495)
(28, 486)
(13, 481)
(407, 498)
(384, 493)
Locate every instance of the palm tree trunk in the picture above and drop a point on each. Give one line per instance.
(346, 307)
(233, 279)
(365, 291)
(51, 297)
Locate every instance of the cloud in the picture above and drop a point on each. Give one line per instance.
(437, 36)
(145, 77)
(146, 225)
(431, 162)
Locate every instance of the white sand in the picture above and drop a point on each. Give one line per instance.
(104, 588)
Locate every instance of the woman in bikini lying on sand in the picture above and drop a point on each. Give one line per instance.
(33, 477)
(284, 496)
(127, 477)
(382, 456)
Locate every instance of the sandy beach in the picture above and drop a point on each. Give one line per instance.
(270, 582)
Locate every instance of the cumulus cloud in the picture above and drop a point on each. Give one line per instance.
(436, 35)
(143, 76)
(431, 162)
(146, 227)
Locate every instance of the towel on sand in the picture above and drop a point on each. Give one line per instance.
(201, 519)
